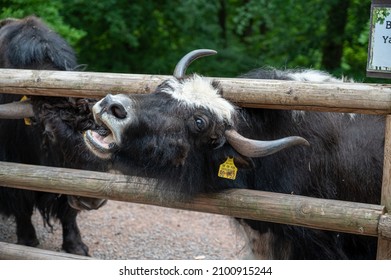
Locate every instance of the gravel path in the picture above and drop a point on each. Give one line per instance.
(123, 230)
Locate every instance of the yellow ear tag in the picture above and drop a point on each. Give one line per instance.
(228, 169)
(27, 121)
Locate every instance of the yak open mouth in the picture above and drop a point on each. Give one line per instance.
(101, 142)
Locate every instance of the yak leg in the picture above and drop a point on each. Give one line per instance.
(72, 242)
(25, 230)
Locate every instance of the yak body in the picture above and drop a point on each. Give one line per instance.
(29, 44)
(178, 135)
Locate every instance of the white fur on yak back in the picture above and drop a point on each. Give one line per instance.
(315, 76)
(300, 75)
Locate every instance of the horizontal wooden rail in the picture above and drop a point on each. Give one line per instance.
(350, 217)
(19, 252)
(343, 97)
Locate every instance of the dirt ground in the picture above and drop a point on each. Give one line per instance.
(122, 230)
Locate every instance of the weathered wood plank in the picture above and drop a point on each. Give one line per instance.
(357, 218)
(18, 252)
(344, 97)
(69, 83)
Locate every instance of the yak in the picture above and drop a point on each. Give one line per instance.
(29, 44)
(184, 132)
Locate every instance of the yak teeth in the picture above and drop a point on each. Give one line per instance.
(103, 132)
(113, 146)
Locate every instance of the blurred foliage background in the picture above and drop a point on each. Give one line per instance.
(145, 36)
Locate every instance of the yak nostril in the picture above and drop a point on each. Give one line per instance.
(118, 111)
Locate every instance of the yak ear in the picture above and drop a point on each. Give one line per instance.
(240, 161)
(243, 162)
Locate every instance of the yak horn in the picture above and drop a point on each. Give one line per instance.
(16, 110)
(257, 148)
(180, 68)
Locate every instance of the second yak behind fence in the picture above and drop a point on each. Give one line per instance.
(29, 44)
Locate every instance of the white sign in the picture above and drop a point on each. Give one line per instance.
(379, 54)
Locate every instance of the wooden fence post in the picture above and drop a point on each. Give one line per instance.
(384, 245)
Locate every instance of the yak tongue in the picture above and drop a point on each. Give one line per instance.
(103, 140)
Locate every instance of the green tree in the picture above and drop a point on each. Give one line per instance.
(49, 11)
(147, 36)
(142, 36)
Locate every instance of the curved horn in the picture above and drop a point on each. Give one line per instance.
(16, 110)
(180, 68)
(257, 148)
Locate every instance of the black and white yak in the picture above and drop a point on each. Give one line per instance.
(185, 130)
(29, 44)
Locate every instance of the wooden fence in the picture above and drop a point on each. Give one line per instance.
(343, 216)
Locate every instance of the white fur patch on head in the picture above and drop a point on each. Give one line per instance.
(198, 91)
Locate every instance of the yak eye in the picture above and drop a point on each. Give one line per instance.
(200, 123)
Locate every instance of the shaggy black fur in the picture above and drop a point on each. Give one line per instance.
(181, 146)
(29, 44)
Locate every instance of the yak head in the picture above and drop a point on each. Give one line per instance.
(175, 132)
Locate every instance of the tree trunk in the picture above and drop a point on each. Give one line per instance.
(223, 21)
(335, 28)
